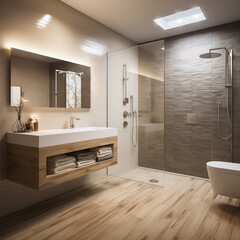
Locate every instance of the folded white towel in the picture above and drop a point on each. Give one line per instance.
(52, 170)
(59, 164)
(85, 154)
(60, 160)
(104, 154)
(101, 150)
(86, 158)
(84, 163)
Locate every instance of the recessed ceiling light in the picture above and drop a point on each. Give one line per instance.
(44, 21)
(181, 18)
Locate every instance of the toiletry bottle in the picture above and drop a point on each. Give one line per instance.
(31, 122)
(28, 127)
(35, 124)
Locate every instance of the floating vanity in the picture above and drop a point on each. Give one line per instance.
(28, 153)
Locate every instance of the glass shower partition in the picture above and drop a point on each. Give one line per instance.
(136, 108)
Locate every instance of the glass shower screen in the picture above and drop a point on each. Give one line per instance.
(136, 108)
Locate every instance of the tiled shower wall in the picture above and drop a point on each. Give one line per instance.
(151, 105)
(192, 85)
(150, 122)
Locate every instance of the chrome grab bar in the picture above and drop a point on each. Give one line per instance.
(134, 123)
(125, 78)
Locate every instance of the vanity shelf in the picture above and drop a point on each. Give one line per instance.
(28, 165)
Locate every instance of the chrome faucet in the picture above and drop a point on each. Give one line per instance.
(72, 125)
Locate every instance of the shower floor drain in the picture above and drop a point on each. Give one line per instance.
(153, 181)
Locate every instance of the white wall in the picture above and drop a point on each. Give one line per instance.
(64, 37)
(127, 154)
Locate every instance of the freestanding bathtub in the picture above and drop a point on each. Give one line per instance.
(225, 178)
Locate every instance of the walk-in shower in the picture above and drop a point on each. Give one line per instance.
(228, 87)
(167, 86)
(136, 107)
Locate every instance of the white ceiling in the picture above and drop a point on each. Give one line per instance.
(134, 18)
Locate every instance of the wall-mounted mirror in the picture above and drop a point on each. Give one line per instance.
(48, 82)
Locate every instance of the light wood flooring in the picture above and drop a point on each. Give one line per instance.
(116, 209)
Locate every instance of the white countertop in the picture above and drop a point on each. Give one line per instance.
(47, 138)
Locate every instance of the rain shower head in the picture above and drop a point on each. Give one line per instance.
(210, 55)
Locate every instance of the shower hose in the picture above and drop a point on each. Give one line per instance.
(134, 126)
(228, 116)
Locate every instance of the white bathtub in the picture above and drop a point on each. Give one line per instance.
(225, 178)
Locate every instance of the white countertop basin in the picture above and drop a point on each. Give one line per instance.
(47, 138)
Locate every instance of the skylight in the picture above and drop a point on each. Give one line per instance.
(181, 18)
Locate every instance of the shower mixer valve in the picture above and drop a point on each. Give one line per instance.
(125, 124)
(126, 114)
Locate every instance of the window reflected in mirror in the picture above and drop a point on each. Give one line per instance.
(68, 88)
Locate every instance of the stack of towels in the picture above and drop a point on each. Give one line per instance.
(59, 163)
(83, 158)
(102, 153)
(63, 162)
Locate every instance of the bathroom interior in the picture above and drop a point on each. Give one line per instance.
(119, 120)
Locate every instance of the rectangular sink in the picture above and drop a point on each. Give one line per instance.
(47, 138)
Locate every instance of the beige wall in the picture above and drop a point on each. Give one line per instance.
(68, 31)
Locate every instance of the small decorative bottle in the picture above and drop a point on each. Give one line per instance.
(19, 126)
(34, 123)
(28, 127)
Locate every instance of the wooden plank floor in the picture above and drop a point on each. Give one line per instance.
(117, 209)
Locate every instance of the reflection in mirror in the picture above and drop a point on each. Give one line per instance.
(68, 87)
(16, 93)
(49, 82)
